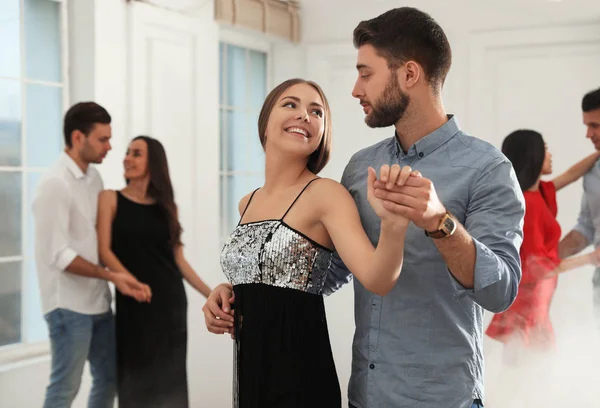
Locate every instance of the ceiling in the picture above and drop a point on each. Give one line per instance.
(327, 20)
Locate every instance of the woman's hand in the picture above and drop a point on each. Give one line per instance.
(391, 176)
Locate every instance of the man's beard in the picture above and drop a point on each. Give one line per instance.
(390, 108)
(88, 155)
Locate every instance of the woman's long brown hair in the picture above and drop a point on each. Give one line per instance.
(160, 187)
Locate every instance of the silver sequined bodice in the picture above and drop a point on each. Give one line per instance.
(273, 253)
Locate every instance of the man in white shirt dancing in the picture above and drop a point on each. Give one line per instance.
(74, 287)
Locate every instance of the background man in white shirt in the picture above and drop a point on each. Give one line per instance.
(587, 230)
(74, 287)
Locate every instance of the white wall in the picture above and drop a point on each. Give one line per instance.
(512, 75)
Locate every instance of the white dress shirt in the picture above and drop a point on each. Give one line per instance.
(64, 210)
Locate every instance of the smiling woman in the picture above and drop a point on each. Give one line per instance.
(139, 234)
(280, 112)
(278, 256)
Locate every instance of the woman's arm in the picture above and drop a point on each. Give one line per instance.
(189, 274)
(575, 171)
(107, 207)
(377, 269)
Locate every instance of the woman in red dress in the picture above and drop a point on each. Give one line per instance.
(527, 321)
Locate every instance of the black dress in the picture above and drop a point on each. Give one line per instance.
(151, 337)
(283, 356)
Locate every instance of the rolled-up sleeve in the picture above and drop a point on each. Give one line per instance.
(337, 276)
(494, 219)
(51, 218)
(585, 226)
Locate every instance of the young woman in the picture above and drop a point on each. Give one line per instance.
(527, 322)
(139, 234)
(278, 256)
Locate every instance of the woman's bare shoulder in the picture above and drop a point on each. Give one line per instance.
(327, 192)
(329, 188)
(107, 198)
(244, 202)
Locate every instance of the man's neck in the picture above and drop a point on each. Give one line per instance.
(420, 122)
(80, 163)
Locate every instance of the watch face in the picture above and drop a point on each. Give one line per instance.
(449, 225)
(447, 228)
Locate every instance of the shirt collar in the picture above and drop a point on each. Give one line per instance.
(430, 142)
(72, 166)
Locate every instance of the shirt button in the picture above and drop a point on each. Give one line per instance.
(421, 154)
(371, 366)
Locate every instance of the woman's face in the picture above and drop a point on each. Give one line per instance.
(136, 160)
(297, 122)
(547, 166)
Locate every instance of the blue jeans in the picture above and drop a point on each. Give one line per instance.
(75, 338)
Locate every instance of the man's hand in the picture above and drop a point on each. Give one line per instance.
(415, 200)
(595, 257)
(218, 315)
(128, 285)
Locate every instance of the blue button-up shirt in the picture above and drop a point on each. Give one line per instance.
(588, 222)
(421, 345)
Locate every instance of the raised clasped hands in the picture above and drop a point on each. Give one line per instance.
(405, 193)
(389, 177)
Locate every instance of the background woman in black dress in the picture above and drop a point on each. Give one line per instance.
(139, 233)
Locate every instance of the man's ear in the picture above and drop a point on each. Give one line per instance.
(409, 74)
(76, 136)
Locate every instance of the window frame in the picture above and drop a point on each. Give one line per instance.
(250, 41)
(18, 354)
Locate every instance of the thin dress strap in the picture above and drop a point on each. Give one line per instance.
(298, 196)
(247, 205)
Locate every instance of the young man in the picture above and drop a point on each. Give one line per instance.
(74, 288)
(587, 230)
(421, 345)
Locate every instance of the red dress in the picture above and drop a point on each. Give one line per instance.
(528, 317)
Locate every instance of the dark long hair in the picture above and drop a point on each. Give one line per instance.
(160, 187)
(526, 151)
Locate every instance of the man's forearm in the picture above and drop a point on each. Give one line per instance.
(80, 266)
(459, 253)
(572, 244)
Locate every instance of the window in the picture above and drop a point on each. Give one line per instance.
(32, 96)
(243, 87)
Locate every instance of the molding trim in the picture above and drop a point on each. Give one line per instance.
(274, 17)
(177, 5)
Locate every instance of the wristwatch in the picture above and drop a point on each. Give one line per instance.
(445, 229)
